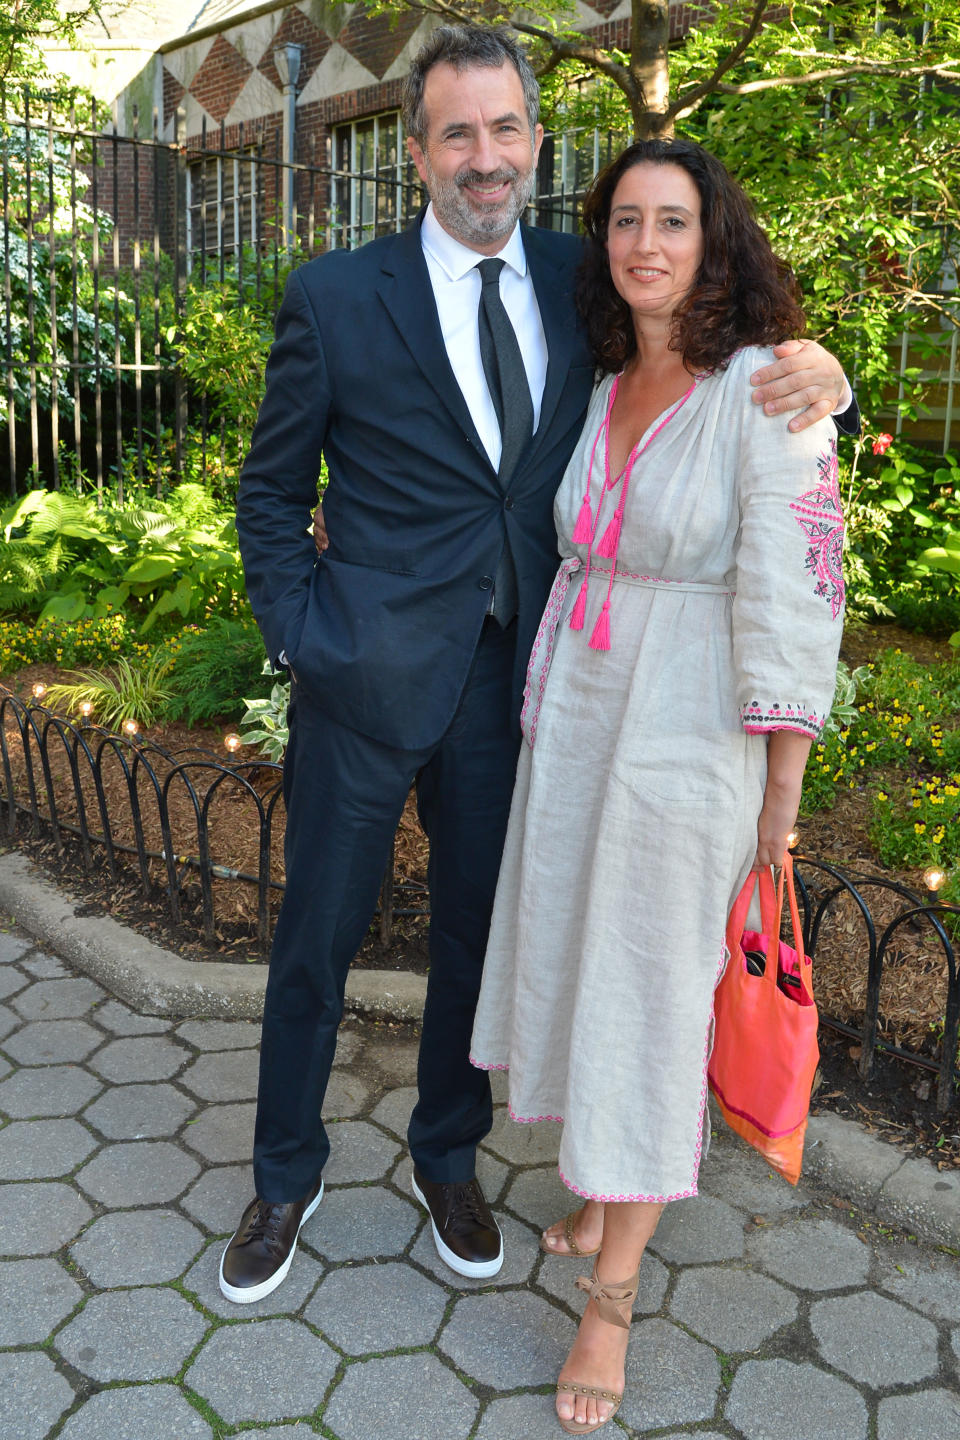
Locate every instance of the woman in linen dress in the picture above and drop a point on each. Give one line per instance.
(685, 662)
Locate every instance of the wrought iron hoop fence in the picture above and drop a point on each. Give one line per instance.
(53, 777)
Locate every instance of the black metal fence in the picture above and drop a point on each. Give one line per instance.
(107, 239)
(126, 804)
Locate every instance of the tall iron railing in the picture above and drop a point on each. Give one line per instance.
(53, 786)
(107, 236)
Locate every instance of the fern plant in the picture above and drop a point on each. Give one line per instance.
(211, 667)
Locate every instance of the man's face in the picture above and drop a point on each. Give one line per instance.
(478, 160)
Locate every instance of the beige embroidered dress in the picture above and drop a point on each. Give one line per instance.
(634, 816)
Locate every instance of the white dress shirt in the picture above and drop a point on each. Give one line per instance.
(456, 289)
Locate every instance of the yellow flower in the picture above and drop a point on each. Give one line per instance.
(882, 795)
(919, 829)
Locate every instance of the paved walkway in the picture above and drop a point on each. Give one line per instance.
(763, 1312)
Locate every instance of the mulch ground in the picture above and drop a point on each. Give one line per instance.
(897, 1100)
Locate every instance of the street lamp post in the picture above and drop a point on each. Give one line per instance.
(287, 60)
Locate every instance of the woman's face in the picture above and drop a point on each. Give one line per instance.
(654, 239)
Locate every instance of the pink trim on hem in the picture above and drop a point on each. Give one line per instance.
(480, 1065)
(531, 1119)
(627, 1199)
(813, 732)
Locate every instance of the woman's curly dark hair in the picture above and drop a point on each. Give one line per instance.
(743, 294)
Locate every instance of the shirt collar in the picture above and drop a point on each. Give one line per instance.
(456, 259)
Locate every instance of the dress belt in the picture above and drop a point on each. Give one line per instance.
(542, 652)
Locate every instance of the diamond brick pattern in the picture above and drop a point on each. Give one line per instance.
(125, 1163)
(375, 40)
(220, 78)
(296, 29)
(173, 93)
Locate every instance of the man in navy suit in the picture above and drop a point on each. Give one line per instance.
(447, 400)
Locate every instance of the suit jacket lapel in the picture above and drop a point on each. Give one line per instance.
(406, 292)
(553, 284)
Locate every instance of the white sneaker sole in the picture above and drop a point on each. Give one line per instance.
(473, 1269)
(251, 1293)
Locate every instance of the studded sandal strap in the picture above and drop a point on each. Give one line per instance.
(610, 1297)
(572, 1388)
(568, 1233)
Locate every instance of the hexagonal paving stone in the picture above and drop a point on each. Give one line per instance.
(540, 1197)
(875, 1340)
(8, 1022)
(137, 1247)
(226, 1075)
(35, 1219)
(491, 1172)
(267, 1370)
(366, 1308)
(532, 1417)
(34, 1394)
(58, 999)
(767, 1396)
(124, 1021)
(45, 967)
(508, 1341)
(671, 1378)
(140, 1112)
(739, 1176)
(405, 1397)
(558, 1275)
(52, 1090)
(521, 1144)
(692, 1232)
(53, 1042)
(11, 981)
(395, 1109)
(520, 1252)
(132, 1335)
(203, 1279)
(734, 1310)
(13, 946)
(141, 1173)
(140, 1057)
(932, 1414)
(223, 1133)
(358, 1151)
(396, 1059)
(157, 1411)
(220, 1034)
(928, 1283)
(219, 1197)
(346, 1095)
(35, 1295)
(811, 1254)
(42, 1149)
(361, 1223)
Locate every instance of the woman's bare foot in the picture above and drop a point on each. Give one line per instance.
(596, 1361)
(587, 1232)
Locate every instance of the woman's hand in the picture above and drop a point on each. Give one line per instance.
(320, 538)
(806, 378)
(786, 758)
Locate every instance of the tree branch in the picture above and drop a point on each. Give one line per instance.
(712, 83)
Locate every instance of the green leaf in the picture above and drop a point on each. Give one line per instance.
(149, 569)
(65, 607)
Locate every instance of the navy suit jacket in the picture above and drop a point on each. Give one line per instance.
(380, 632)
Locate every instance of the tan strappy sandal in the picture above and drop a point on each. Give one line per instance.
(573, 1249)
(615, 1305)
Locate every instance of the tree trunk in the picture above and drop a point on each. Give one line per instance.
(649, 36)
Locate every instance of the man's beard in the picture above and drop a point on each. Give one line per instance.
(471, 225)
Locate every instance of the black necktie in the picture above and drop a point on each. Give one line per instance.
(506, 379)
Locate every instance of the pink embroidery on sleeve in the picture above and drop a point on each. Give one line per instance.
(820, 517)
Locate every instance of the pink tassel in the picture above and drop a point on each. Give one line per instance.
(600, 639)
(580, 609)
(583, 530)
(611, 537)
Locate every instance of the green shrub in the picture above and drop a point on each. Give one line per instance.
(136, 692)
(212, 667)
(68, 643)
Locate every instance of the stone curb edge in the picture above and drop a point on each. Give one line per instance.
(840, 1155)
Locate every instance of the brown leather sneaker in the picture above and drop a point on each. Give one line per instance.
(260, 1253)
(464, 1231)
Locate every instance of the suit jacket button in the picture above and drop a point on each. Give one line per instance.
(485, 582)
(508, 503)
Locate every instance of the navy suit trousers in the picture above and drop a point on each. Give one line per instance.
(344, 794)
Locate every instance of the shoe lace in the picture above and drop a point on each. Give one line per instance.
(467, 1208)
(265, 1224)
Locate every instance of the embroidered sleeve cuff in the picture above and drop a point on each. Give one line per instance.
(759, 719)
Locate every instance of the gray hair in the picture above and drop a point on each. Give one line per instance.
(464, 46)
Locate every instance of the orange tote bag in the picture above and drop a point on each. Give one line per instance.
(765, 1050)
